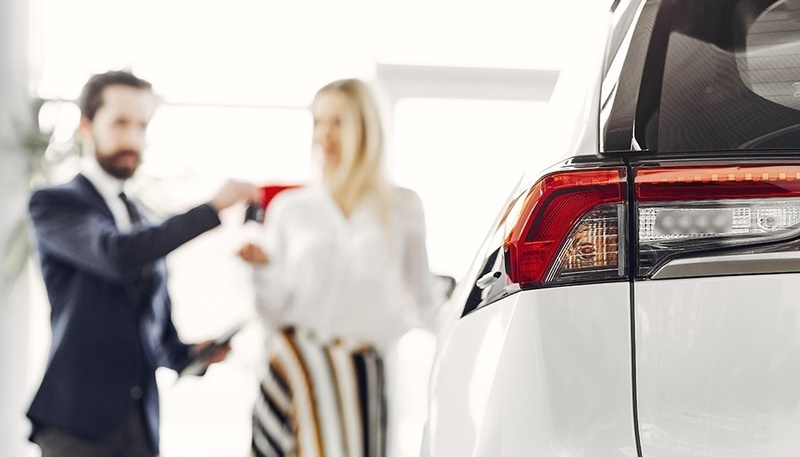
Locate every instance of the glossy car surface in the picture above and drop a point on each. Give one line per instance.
(640, 297)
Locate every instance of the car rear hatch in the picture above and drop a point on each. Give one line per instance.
(705, 115)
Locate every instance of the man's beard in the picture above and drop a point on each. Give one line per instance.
(110, 163)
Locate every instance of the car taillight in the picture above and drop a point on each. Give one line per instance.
(570, 229)
(690, 211)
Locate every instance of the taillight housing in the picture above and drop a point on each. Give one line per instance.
(703, 210)
(583, 224)
(570, 229)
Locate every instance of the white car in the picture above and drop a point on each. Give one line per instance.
(642, 296)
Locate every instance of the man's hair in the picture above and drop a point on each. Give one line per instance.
(92, 94)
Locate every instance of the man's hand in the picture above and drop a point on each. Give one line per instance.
(252, 253)
(233, 192)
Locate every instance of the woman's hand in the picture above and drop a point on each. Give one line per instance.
(218, 355)
(252, 253)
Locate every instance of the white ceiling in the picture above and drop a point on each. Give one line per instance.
(269, 52)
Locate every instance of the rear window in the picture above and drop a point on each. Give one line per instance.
(770, 62)
(720, 75)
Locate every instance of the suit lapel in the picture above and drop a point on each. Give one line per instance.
(85, 188)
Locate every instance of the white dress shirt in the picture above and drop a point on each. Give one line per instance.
(109, 187)
(340, 276)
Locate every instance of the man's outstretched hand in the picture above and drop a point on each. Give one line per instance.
(217, 355)
(233, 192)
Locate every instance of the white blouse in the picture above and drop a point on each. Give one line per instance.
(341, 276)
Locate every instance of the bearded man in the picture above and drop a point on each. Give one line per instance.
(103, 267)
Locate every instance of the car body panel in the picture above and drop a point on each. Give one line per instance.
(571, 345)
(718, 366)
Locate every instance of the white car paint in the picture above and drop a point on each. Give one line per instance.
(718, 366)
(571, 346)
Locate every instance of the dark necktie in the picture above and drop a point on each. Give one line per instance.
(144, 282)
(133, 212)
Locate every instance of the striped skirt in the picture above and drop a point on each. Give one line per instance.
(320, 400)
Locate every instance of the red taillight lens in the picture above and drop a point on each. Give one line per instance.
(699, 183)
(687, 211)
(569, 224)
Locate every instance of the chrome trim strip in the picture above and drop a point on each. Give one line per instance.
(774, 262)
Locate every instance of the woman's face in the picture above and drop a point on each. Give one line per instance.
(328, 109)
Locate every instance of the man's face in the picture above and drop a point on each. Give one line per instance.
(117, 132)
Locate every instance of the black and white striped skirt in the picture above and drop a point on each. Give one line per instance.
(320, 400)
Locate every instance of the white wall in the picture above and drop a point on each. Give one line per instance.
(15, 118)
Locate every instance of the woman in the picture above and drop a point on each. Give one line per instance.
(341, 272)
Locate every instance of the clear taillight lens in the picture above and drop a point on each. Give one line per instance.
(691, 211)
(593, 248)
(676, 222)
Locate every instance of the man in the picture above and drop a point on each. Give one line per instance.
(104, 270)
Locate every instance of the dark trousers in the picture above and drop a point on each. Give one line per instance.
(127, 440)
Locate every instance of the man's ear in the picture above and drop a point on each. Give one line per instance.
(85, 129)
(85, 136)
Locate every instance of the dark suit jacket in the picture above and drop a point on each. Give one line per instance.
(102, 345)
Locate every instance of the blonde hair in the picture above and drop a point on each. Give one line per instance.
(360, 170)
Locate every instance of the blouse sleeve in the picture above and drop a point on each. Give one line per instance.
(416, 270)
(271, 294)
